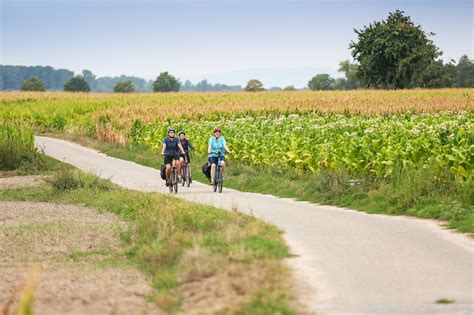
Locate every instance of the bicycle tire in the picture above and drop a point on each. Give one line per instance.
(175, 181)
(183, 176)
(220, 182)
(188, 176)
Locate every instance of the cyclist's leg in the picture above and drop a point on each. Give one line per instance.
(178, 168)
(213, 168)
(167, 162)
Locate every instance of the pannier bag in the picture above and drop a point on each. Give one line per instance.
(206, 170)
(163, 172)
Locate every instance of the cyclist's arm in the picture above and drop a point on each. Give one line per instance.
(190, 145)
(181, 148)
(209, 149)
(163, 147)
(226, 148)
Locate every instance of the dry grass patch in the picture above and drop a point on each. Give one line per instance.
(8, 182)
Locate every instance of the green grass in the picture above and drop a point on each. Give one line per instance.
(424, 193)
(172, 239)
(17, 150)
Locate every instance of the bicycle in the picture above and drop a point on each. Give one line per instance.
(173, 180)
(186, 178)
(219, 176)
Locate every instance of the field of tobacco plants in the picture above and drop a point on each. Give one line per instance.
(364, 131)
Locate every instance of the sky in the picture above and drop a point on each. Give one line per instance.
(226, 40)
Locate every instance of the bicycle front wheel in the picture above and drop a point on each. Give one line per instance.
(175, 181)
(188, 175)
(220, 181)
(183, 175)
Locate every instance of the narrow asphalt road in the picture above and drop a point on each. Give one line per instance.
(349, 262)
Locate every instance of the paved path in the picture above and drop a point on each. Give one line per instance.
(350, 262)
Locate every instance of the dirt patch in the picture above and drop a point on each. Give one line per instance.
(81, 268)
(20, 181)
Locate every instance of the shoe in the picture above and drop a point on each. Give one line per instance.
(179, 179)
(167, 183)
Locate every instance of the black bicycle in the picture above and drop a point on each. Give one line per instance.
(186, 178)
(219, 176)
(173, 180)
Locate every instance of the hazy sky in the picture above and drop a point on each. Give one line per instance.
(189, 38)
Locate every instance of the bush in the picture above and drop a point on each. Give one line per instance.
(67, 179)
(124, 87)
(77, 84)
(33, 84)
(17, 149)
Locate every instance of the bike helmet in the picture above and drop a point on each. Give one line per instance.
(181, 133)
(171, 129)
(217, 129)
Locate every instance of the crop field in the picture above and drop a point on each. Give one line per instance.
(363, 131)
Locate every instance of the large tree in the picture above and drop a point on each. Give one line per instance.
(33, 84)
(254, 86)
(321, 81)
(165, 82)
(77, 84)
(392, 52)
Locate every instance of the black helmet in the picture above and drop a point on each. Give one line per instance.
(181, 133)
(171, 129)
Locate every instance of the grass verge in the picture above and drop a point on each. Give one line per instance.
(421, 193)
(197, 256)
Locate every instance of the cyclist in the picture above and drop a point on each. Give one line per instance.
(170, 150)
(216, 145)
(186, 144)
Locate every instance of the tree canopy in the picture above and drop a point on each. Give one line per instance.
(77, 84)
(165, 82)
(33, 84)
(392, 52)
(322, 81)
(124, 87)
(254, 86)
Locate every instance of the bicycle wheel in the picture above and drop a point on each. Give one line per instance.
(220, 181)
(170, 182)
(216, 176)
(183, 174)
(175, 181)
(188, 175)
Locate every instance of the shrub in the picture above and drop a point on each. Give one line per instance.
(33, 84)
(17, 148)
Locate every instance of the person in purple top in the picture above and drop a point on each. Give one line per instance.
(170, 150)
(186, 144)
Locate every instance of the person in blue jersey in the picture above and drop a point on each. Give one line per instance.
(216, 145)
(171, 150)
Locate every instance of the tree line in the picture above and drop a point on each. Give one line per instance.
(390, 54)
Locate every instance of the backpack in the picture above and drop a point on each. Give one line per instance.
(163, 172)
(206, 170)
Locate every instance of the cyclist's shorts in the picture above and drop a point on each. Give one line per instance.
(215, 159)
(169, 158)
